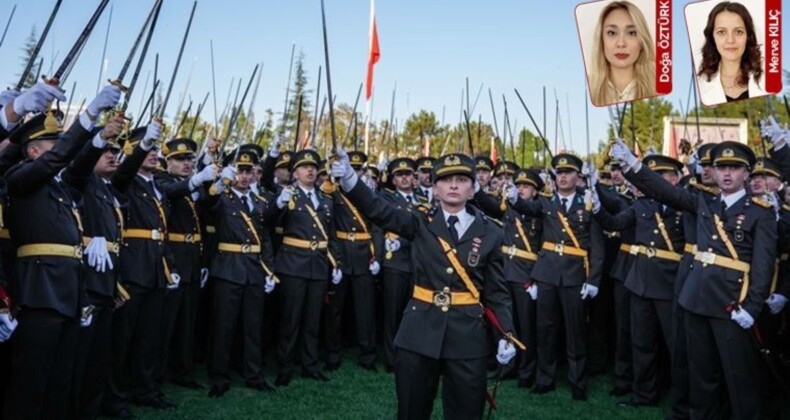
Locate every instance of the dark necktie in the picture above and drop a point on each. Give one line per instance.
(245, 201)
(451, 221)
(564, 202)
(409, 198)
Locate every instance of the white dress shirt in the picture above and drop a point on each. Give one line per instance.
(464, 221)
(569, 201)
(311, 193)
(733, 198)
(242, 194)
(148, 180)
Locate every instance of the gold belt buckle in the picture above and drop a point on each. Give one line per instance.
(708, 258)
(442, 299)
(115, 248)
(78, 252)
(189, 238)
(633, 250)
(313, 245)
(511, 251)
(559, 248)
(650, 252)
(352, 236)
(155, 234)
(246, 248)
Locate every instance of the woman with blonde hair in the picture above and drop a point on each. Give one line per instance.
(623, 56)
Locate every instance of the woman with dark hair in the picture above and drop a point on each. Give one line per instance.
(731, 65)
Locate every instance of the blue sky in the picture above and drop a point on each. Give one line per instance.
(428, 46)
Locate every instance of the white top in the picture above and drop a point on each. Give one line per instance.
(148, 179)
(311, 193)
(568, 203)
(712, 92)
(242, 194)
(464, 221)
(731, 199)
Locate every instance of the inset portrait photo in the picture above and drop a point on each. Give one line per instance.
(736, 49)
(627, 49)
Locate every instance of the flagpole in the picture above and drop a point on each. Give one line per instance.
(369, 79)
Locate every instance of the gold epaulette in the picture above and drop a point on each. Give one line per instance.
(606, 182)
(785, 207)
(705, 188)
(546, 194)
(498, 222)
(425, 208)
(260, 197)
(762, 203)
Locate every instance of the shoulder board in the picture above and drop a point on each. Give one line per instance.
(327, 196)
(495, 193)
(786, 207)
(497, 222)
(389, 190)
(547, 195)
(705, 188)
(260, 197)
(425, 208)
(760, 202)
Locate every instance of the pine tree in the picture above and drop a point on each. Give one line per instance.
(27, 54)
(298, 90)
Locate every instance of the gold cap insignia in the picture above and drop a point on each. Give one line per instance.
(403, 164)
(286, 158)
(244, 158)
(760, 165)
(182, 147)
(727, 153)
(563, 161)
(452, 160)
(309, 157)
(356, 158)
(651, 163)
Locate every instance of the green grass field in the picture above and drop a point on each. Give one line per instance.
(354, 393)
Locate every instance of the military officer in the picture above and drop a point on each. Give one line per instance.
(354, 234)
(395, 254)
(308, 257)
(425, 186)
(458, 265)
(522, 240)
(185, 242)
(656, 248)
(483, 167)
(568, 272)
(45, 223)
(241, 272)
(729, 281)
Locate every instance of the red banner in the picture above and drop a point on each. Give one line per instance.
(664, 46)
(773, 46)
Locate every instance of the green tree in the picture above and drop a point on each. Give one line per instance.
(27, 54)
(299, 89)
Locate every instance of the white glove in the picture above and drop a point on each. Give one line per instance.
(512, 194)
(107, 98)
(621, 153)
(341, 167)
(7, 326)
(337, 276)
(585, 169)
(37, 98)
(594, 198)
(228, 173)
(98, 255)
(85, 321)
(175, 280)
(152, 133)
(742, 318)
(589, 291)
(506, 351)
(285, 197)
(776, 303)
(770, 129)
(274, 150)
(592, 177)
(207, 174)
(532, 290)
(8, 95)
(203, 277)
(374, 268)
(268, 286)
(391, 245)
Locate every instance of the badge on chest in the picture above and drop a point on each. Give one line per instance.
(474, 255)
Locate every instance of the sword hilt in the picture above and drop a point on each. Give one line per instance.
(52, 82)
(117, 83)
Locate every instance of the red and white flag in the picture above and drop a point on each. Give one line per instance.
(373, 52)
